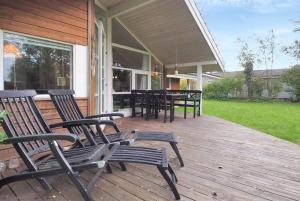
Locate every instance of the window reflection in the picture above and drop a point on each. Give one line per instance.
(130, 59)
(156, 82)
(121, 80)
(141, 81)
(36, 64)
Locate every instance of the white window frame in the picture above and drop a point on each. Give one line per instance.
(79, 68)
(134, 71)
(131, 81)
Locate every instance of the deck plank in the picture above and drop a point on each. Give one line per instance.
(223, 161)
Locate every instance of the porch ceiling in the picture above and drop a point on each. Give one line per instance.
(170, 25)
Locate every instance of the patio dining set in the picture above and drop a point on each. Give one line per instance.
(43, 153)
(148, 103)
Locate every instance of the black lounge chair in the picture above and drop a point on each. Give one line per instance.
(32, 138)
(68, 110)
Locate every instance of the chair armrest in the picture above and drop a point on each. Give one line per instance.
(110, 115)
(80, 122)
(49, 137)
(87, 122)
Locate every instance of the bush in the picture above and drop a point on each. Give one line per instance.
(292, 79)
(224, 88)
(2, 134)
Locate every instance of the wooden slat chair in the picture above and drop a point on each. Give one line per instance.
(31, 136)
(68, 110)
(165, 104)
(39, 149)
(138, 100)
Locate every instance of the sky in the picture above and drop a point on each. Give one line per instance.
(228, 20)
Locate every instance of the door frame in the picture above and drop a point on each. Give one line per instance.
(102, 71)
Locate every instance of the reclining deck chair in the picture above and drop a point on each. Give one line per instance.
(41, 152)
(68, 110)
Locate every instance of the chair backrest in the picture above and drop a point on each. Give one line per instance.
(67, 108)
(139, 97)
(23, 118)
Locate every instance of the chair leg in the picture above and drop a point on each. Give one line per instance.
(44, 184)
(199, 108)
(171, 171)
(165, 115)
(108, 168)
(123, 166)
(194, 109)
(175, 148)
(80, 186)
(169, 181)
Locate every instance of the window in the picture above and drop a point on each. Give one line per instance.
(125, 58)
(156, 82)
(30, 63)
(141, 81)
(156, 74)
(121, 80)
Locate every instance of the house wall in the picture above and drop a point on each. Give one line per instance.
(207, 80)
(175, 83)
(61, 20)
(47, 108)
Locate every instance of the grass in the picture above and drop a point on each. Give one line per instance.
(280, 119)
(2, 136)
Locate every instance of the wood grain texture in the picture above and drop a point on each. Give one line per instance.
(223, 161)
(64, 21)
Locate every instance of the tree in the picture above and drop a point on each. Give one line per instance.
(292, 79)
(246, 60)
(293, 50)
(266, 49)
(258, 86)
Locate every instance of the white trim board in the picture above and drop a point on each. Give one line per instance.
(130, 48)
(1, 61)
(80, 70)
(127, 6)
(202, 63)
(204, 30)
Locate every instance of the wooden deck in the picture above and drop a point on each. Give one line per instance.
(224, 161)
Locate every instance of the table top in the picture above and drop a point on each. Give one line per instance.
(177, 95)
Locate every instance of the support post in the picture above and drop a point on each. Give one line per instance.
(199, 83)
(91, 52)
(109, 62)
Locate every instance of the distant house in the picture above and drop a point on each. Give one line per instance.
(189, 81)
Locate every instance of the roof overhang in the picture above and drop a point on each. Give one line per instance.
(168, 28)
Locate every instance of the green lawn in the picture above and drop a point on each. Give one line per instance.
(2, 136)
(280, 119)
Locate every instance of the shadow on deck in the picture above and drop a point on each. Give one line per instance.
(223, 161)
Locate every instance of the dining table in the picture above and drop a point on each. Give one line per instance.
(153, 101)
